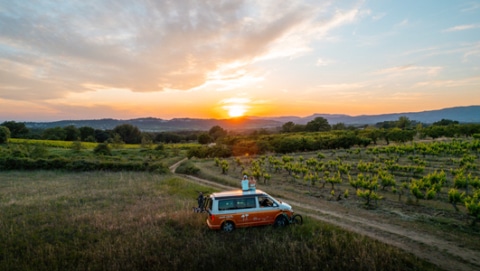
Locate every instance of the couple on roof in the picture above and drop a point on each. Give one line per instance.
(248, 184)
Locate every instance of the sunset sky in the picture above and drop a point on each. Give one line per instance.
(127, 59)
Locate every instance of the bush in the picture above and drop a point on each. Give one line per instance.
(187, 167)
(4, 134)
(102, 149)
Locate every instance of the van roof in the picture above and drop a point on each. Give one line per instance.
(237, 193)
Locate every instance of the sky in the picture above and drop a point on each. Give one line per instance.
(123, 59)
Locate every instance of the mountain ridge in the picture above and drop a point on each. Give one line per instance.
(462, 114)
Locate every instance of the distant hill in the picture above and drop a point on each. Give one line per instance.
(468, 114)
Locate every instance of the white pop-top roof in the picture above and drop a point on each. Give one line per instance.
(236, 193)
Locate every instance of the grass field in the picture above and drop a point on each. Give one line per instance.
(51, 220)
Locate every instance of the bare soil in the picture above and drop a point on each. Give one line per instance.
(417, 230)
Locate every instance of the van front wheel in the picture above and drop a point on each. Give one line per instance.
(228, 226)
(280, 221)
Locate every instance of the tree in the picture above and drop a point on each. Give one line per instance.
(288, 127)
(386, 124)
(71, 133)
(245, 147)
(217, 132)
(147, 140)
(403, 122)
(56, 133)
(17, 129)
(87, 133)
(204, 139)
(339, 126)
(445, 122)
(4, 134)
(399, 135)
(168, 137)
(101, 135)
(373, 133)
(116, 141)
(318, 124)
(130, 134)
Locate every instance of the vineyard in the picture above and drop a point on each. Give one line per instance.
(438, 176)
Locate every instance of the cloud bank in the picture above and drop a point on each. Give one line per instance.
(50, 48)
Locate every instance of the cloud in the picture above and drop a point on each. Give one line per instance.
(52, 48)
(462, 27)
(471, 7)
(342, 86)
(465, 82)
(402, 23)
(399, 70)
(324, 62)
(472, 51)
(378, 16)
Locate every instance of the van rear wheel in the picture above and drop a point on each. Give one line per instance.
(228, 226)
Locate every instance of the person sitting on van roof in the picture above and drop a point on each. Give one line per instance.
(245, 183)
(252, 184)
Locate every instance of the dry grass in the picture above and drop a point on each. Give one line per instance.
(143, 221)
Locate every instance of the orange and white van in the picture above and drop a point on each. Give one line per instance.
(237, 209)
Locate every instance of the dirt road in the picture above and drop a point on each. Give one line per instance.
(447, 254)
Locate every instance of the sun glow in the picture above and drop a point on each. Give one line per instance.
(235, 107)
(236, 110)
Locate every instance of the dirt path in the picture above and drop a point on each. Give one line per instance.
(448, 255)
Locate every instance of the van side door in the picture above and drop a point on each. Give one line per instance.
(243, 212)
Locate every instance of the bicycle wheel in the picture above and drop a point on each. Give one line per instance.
(297, 219)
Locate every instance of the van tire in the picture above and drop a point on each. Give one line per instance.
(280, 221)
(228, 226)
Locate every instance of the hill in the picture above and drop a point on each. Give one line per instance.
(468, 114)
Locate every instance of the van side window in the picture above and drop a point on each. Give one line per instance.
(227, 204)
(250, 203)
(239, 203)
(245, 203)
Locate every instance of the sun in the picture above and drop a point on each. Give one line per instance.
(236, 110)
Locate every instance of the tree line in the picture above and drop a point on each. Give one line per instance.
(317, 134)
(125, 133)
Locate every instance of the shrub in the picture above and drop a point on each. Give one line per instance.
(187, 167)
(4, 134)
(102, 149)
